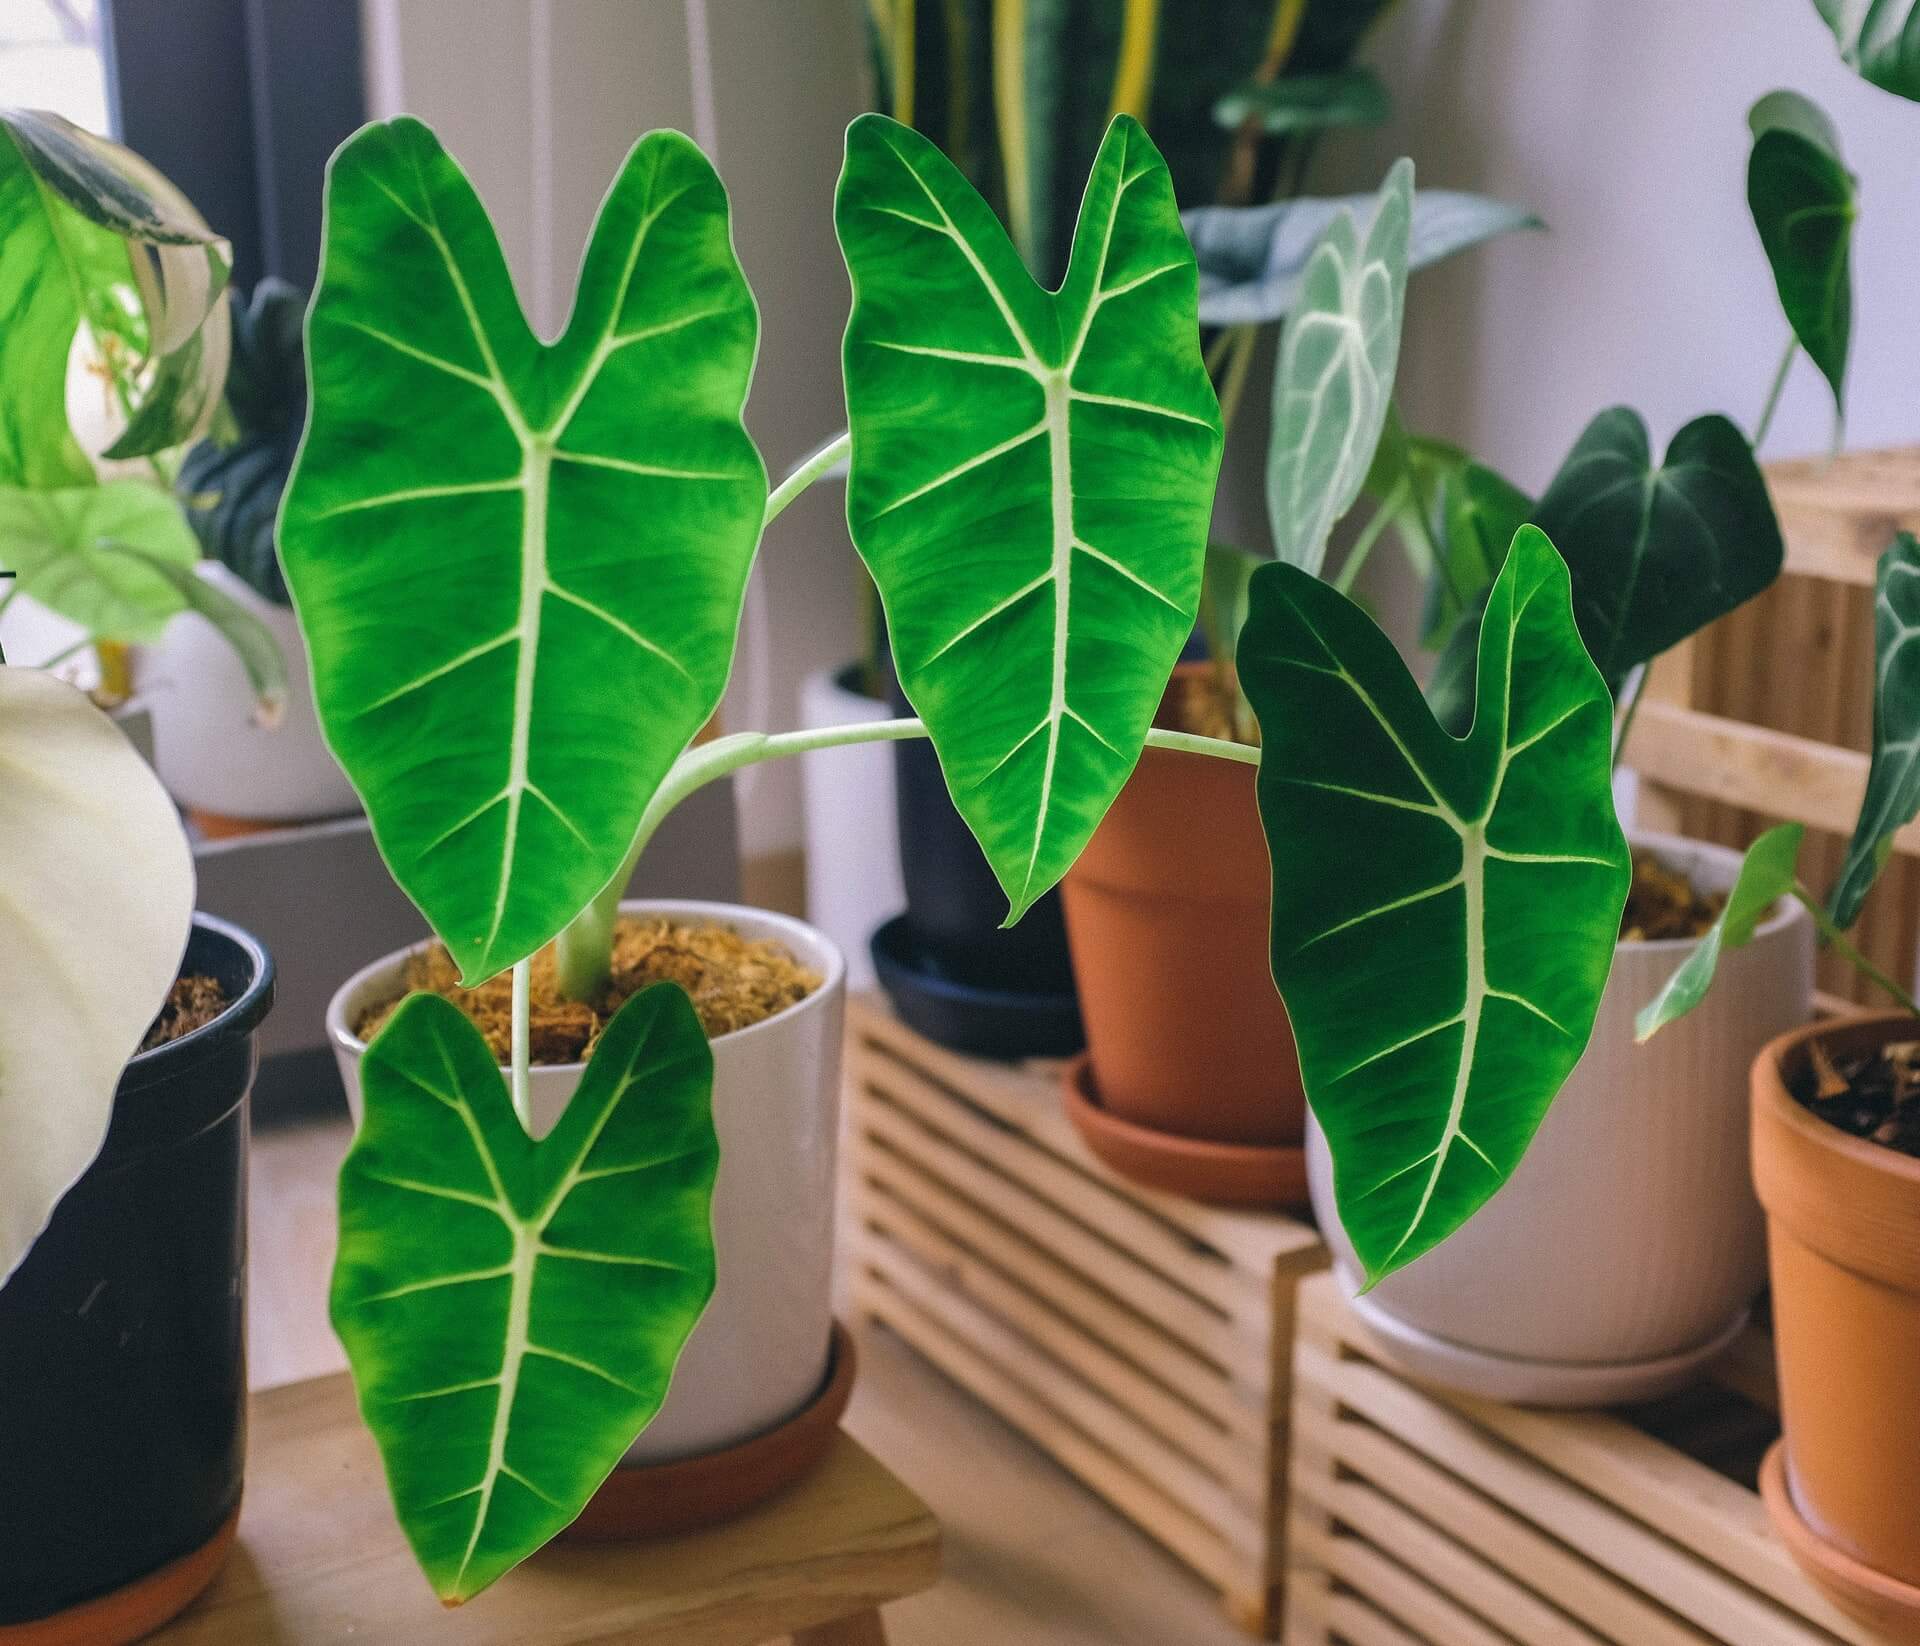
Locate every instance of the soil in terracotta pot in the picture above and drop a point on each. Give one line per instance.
(1665, 904)
(734, 982)
(192, 1003)
(1874, 1095)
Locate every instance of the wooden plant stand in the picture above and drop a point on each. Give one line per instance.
(1422, 1518)
(321, 1561)
(1141, 1341)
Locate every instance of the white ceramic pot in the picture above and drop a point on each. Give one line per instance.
(852, 823)
(207, 749)
(1625, 1251)
(759, 1353)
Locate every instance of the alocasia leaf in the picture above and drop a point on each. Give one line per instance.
(1444, 912)
(1766, 875)
(97, 905)
(513, 1309)
(1892, 797)
(60, 544)
(1352, 96)
(83, 216)
(1879, 39)
(1253, 258)
(519, 566)
(1657, 552)
(1802, 199)
(1031, 480)
(1334, 380)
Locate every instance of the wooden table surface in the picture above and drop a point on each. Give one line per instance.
(321, 1562)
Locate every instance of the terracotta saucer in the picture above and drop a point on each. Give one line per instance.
(661, 1499)
(1223, 1174)
(1888, 1607)
(134, 1612)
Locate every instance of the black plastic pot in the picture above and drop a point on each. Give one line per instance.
(123, 1378)
(954, 910)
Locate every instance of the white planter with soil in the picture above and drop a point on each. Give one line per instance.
(852, 822)
(760, 1353)
(1625, 1252)
(207, 748)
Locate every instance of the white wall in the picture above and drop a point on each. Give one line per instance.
(540, 101)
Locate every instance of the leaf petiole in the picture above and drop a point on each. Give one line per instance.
(1837, 939)
(814, 468)
(1773, 394)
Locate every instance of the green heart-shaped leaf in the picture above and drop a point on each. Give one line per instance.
(1032, 477)
(97, 905)
(1334, 381)
(1892, 797)
(85, 219)
(512, 1309)
(519, 567)
(1879, 39)
(1657, 553)
(1442, 980)
(1766, 875)
(61, 543)
(1802, 199)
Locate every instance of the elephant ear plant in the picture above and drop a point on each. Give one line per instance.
(104, 261)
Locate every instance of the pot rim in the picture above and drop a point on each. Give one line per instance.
(240, 1018)
(1786, 913)
(1770, 1085)
(794, 932)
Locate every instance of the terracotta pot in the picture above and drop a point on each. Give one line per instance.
(1167, 914)
(1843, 1243)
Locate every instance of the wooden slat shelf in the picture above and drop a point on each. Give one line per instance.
(320, 1560)
(1141, 1340)
(1434, 1519)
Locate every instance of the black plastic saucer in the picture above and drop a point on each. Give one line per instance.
(962, 1011)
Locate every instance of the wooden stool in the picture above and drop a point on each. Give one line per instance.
(321, 1560)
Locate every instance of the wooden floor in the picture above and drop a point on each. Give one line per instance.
(1030, 1557)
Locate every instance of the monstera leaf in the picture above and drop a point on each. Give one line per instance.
(62, 545)
(1879, 39)
(1766, 875)
(1032, 477)
(1893, 779)
(1334, 382)
(512, 1309)
(86, 222)
(1657, 552)
(97, 905)
(1253, 258)
(1444, 912)
(1802, 199)
(519, 566)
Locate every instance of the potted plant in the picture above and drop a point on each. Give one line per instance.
(1190, 1081)
(234, 774)
(1648, 1128)
(123, 1237)
(1836, 1158)
(122, 321)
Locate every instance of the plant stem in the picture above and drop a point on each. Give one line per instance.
(584, 951)
(1773, 394)
(522, 1042)
(1636, 689)
(1832, 934)
(1239, 366)
(66, 652)
(811, 470)
(1385, 513)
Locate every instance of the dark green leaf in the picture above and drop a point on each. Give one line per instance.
(519, 566)
(1802, 200)
(1444, 913)
(1657, 553)
(1879, 39)
(1031, 480)
(1892, 797)
(512, 1309)
(1479, 513)
(1308, 102)
(1253, 258)
(1766, 876)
